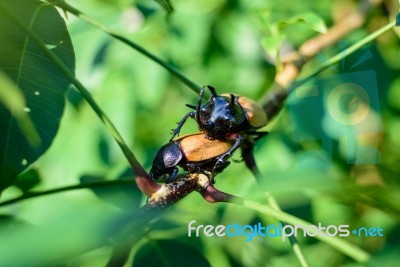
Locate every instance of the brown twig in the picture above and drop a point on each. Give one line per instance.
(166, 196)
(171, 193)
(294, 61)
(213, 195)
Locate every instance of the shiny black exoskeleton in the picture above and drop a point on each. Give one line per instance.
(194, 153)
(226, 117)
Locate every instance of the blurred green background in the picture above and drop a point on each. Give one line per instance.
(220, 43)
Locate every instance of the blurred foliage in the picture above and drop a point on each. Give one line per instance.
(307, 161)
(166, 4)
(25, 69)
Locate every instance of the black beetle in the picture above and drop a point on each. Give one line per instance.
(192, 152)
(226, 117)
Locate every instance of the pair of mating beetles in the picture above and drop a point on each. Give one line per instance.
(226, 122)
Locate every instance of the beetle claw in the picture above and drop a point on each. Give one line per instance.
(223, 159)
(175, 132)
(220, 164)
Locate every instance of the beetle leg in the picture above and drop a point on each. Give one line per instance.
(211, 176)
(247, 152)
(172, 176)
(176, 131)
(218, 167)
(191, 167)
(238, 142)
(248, 157)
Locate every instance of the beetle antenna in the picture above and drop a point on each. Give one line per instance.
(212, 90)
(191, 106)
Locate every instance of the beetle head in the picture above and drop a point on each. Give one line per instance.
(156, 174)
(220, 115)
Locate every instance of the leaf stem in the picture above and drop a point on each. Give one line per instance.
(66, 7)
(67, 188)
(293, 240)
(340, 244)
(250, 163)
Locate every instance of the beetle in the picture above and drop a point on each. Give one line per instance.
(226, 117)
(192, 152)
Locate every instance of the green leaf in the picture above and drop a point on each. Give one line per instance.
(169, 253)
(263, 20)
(12, 98)
(10, 95)
(10, 223)
(27, 180)
(311, 19)
(34, 73)
(271, 46)
(125, 197)
(166, 4)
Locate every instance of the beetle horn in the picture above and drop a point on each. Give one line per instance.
(199, 100)
(191, 106)
(212, 90)
(198, 105)
(232, 102)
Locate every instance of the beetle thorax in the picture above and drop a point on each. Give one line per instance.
(221, 114)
